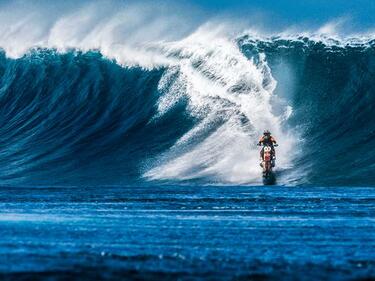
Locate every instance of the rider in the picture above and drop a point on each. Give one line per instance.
(267, 139)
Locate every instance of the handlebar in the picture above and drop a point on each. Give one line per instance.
(275, 145)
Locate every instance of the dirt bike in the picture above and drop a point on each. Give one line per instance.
(268, 161)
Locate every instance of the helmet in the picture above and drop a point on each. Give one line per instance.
(267, 133)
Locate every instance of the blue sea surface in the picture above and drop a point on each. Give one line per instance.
(187, 233)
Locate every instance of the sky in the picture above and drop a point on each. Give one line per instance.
(348, 16)
(359, 13)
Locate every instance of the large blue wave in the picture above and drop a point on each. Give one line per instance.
(78, 118)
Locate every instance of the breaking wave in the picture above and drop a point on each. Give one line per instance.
(187, 110)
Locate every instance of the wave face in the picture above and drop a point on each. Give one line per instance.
(79, 118)
(66, 117)
(330, 85)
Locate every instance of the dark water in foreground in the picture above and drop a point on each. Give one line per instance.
(187, 233)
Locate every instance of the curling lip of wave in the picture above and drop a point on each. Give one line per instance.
(131, 33)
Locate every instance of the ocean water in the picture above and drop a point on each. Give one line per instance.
(187, 233)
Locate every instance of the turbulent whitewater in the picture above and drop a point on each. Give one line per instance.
(188, 110)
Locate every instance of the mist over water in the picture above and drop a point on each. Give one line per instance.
(121, 90)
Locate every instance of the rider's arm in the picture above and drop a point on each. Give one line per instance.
(261, 140)
(273, 140)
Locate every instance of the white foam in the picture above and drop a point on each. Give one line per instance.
(121, 31)
(223, 88)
